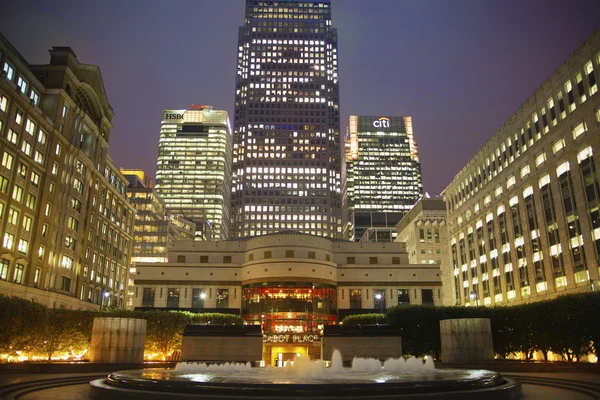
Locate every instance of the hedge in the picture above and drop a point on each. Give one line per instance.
(34, 329)
(567, 325)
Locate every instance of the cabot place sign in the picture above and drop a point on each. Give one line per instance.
(289, 338)
(383, 122)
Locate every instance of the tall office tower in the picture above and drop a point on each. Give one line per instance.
(524, 212)
(287, 173)
(193, 172)
(383, 177)
(154, 229)
(65, 223)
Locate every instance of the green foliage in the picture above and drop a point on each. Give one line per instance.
(33, 328)
(565, 325)
(21, 323)
(366, 319)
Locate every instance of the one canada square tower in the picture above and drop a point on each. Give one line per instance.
(287, 173)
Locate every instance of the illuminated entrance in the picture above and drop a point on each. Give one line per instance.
(292, 315)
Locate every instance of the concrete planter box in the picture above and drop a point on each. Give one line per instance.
(366, 341)
(222, 343)
(466, 340)
(118, 340)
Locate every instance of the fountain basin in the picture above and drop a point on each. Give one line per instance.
(277, 383)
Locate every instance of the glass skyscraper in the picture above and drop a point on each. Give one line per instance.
(287, 163)
(384, 174)
(193, 172)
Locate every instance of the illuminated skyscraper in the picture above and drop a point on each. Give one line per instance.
(193, 172)
(384, 174)
(287, 165)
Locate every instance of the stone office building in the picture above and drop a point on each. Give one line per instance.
(288, 283)
(65, 223)
(523, 213)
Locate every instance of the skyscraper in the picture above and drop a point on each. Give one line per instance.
(193, 172)
(287, 164)
(384, 174)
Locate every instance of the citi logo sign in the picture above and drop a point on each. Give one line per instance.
(173, 116)
(383, 122)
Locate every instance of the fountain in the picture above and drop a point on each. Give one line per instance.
(303, 378)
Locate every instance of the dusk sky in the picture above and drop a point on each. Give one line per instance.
(460, 68)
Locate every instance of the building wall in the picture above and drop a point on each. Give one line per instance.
(424, 232)
(193, 170)
(287, 122)
(287, 258)
(62, 201)
(537, 172)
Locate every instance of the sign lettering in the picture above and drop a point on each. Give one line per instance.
(288, 338)
(173, 116)
(383, 122)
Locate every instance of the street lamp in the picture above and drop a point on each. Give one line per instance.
(473, 296)
(378, 297)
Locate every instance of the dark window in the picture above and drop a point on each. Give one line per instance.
(204, 259)
(403, 296)
(173, 298)
(180, 259)
(355, 299)
(198, 298)
(226, 259)
(427, 296)
(351, 260)
(289, 253)
(65, 284)
(148, 297)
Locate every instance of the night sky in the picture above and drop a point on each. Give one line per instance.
(460, 68)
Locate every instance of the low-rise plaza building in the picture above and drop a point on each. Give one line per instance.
(291, 284)
(523, 213)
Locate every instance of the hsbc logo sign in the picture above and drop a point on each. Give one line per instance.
(173, 116)
(383, 122)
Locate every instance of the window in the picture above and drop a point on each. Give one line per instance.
(48, 211)
(64, 111)
(9, 240)
(558, 145)
(22, 84)
(524, 171)
(65, 283)
(4, 264)
(173, 298)
(204, 259)
(7, 160)
(26, 148)
(198, 298)
(3, 185)
(58, 148)
(510, 181)
(12, 136)
(13, 216)
(30, 126)
(35, 179)
(18, 117)
(226, 259)
(41, 137)
(36, 277)
(67, 262)
(427, 297)
(23, 246)
(379, 300)
(350, 260)
(148, 297)
(267, 254)
(22, 170)
(10, 72)
(373, 260)
(540, 159)
(579, 129)
(355, 299)
(222, 298)
(18, 276)
(3, 103)
(180, 259)
(27, 223)
(35, 97)
(78, 185)
(403, 296)
(38, 157)
(289, 254)
(395, 260)
(70, 242)
(54, 168)
(17, 193)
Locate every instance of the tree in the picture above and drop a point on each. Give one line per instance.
(164, 331)
(21, 323)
